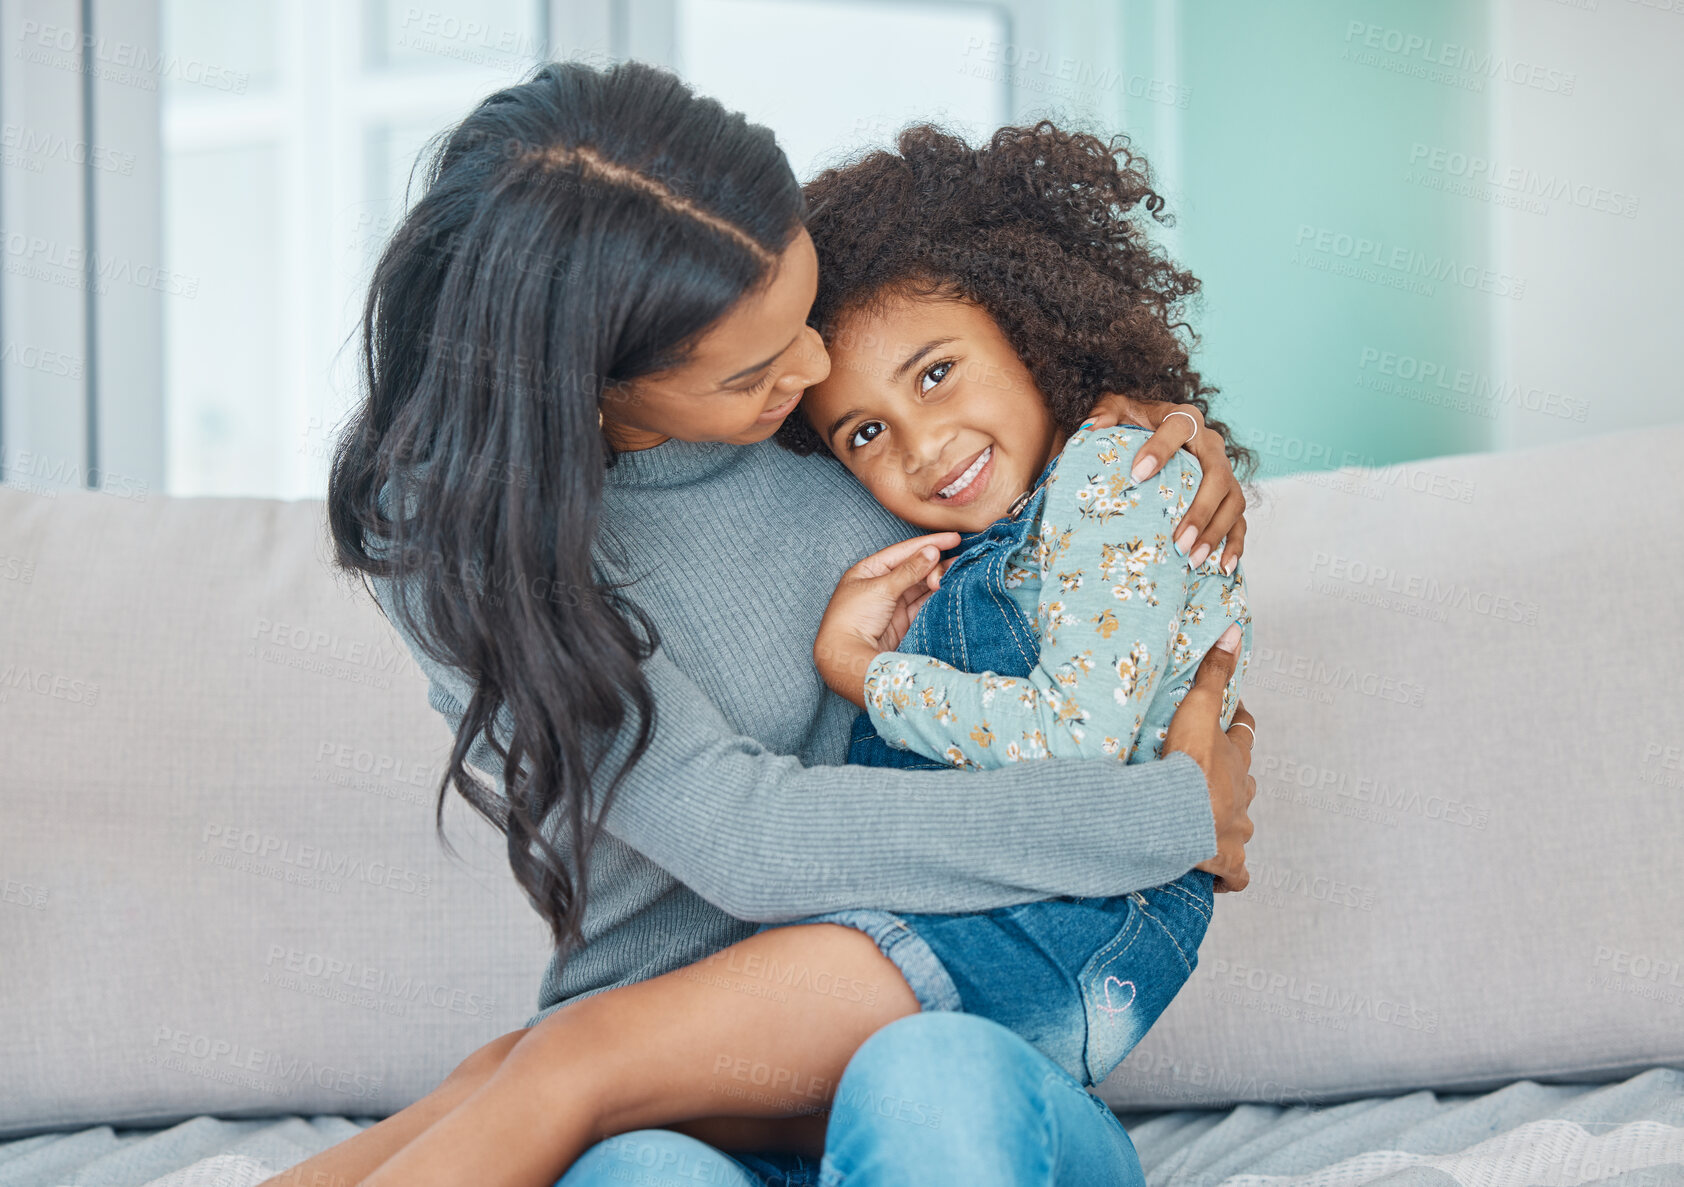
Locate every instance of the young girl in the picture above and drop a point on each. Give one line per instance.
(1067, 623)
(976, 304)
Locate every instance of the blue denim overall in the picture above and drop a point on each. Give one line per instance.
(1080, 978)
(971, 622)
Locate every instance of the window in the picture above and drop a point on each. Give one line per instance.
(273, 142)
(278, 191)
(880, 67)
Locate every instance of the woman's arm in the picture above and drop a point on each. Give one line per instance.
(767, 839)
(1217, 516)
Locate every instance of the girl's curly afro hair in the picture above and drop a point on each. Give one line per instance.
(1044, 230)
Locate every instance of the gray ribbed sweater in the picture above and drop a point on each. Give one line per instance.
(733, 814)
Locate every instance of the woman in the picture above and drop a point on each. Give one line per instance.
(561, 484)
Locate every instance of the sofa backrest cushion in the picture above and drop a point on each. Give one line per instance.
(1468, 677)
(221, 889)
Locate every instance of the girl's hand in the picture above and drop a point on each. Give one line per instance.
(873, 606)
(1218, 509)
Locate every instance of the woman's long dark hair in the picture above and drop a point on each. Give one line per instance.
(576, 232)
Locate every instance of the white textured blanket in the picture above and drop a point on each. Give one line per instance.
(1628, 1134)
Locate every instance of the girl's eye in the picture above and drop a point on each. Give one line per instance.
(863, 435)
(933, 376)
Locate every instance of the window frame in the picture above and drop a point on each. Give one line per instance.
(107, 424)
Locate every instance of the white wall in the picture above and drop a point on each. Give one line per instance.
(1594, 341)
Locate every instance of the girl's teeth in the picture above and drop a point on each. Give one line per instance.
(971, 471)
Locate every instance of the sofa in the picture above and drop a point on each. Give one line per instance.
(230, 933)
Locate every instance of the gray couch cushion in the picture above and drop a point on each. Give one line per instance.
(1468, 676)
(220, 890)
(220, 884)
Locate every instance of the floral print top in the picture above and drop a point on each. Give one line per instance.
(1123, 622)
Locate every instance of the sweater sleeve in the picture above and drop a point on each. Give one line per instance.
(767, 839)
(1113, 595)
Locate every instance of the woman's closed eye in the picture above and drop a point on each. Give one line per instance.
(756, 388)
(933, 374)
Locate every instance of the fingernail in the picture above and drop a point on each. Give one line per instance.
(1185, 540)
(1230, 640)
(1199, 554)
(1086, 424)
(1143, 469)
(1229, 565)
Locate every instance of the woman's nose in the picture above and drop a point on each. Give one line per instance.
(809, 363)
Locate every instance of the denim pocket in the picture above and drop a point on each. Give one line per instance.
(1131, 980)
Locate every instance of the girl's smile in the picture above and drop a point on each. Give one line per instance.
(970, 483)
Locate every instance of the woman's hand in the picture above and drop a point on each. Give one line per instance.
(873, 606)
(1225, 758)
(1218, 509)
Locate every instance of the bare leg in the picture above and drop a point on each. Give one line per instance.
(354, 1159)
(760, 1030)
(351, 1161)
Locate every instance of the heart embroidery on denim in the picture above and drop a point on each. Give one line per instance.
(1110, 1006)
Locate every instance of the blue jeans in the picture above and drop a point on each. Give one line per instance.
(929, 1100)
(1081, 979)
